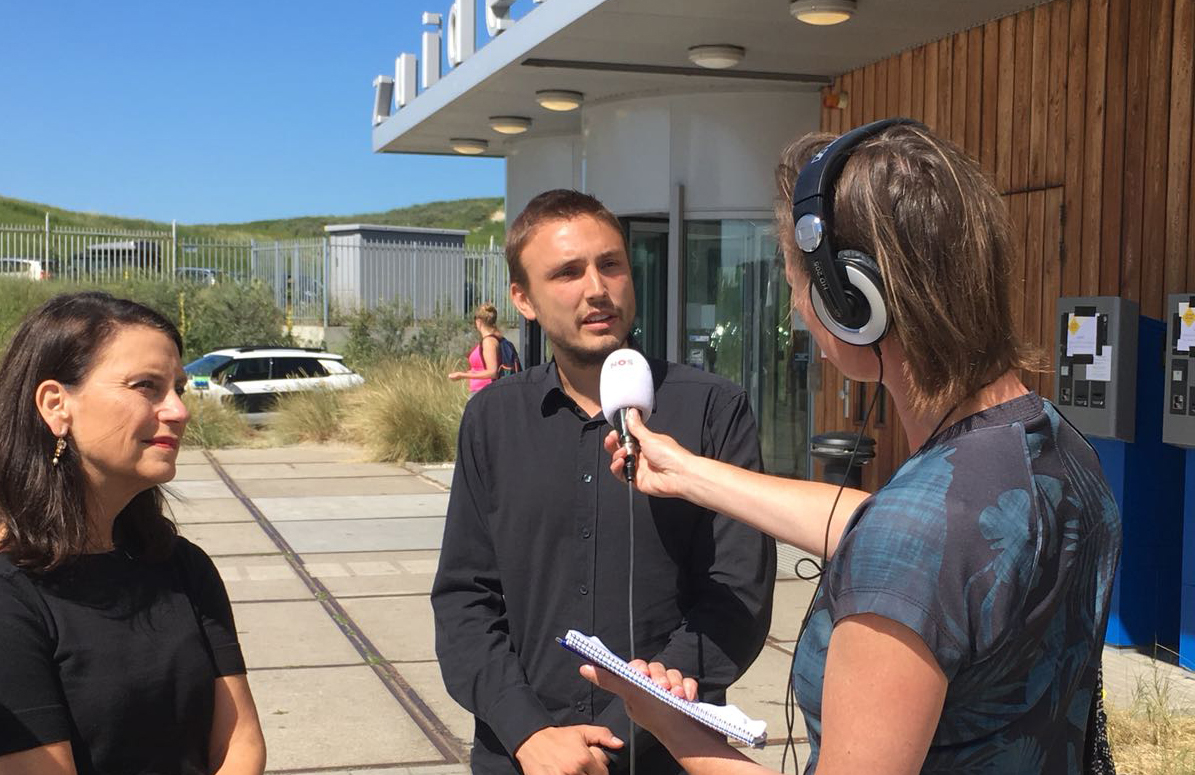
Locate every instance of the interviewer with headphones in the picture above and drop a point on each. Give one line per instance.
(959, 620)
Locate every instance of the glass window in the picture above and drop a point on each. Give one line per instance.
(206, 365)
(247, 370)
(297, 368)
(738, 324)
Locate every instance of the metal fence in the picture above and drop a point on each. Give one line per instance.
(315, 281)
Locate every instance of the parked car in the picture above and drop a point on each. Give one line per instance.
(31, 268)
(252, 378)
(201, 275)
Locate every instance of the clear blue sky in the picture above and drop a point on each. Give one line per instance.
(213, 111)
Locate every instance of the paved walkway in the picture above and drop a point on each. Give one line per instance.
(329, 563)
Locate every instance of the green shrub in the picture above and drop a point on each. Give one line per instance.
(310, 415)
(214, 425)
(390, 332)
(208, 317)
(407, 411)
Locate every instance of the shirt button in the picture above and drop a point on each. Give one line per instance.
(587, 478)
(580, 707)
(585, 533)
(584, 590)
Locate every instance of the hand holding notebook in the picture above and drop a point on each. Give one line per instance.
(726, 719)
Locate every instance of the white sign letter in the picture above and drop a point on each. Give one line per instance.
(462, 31)
(404, 78)
(431, 50)
(497, 16)
(383, 90)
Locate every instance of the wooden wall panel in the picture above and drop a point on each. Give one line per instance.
(1157, 125)
(1178, 163)
(1093, 155)
(1021, 96)
(958, 90)
(987, 104)
(917, 101)
(930, 115)
(1133, 188)
(1081, 110)
(1076, 134)
(1056, 99)
(974, 90)
(1039, 97)
(1114, 116)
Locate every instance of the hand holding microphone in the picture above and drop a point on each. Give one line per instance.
(651, 460)
(626, 384)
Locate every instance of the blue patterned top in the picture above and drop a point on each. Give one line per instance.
(996, 543)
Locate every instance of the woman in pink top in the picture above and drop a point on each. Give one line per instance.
(483, 358)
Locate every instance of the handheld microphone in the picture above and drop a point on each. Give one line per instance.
(626, 384)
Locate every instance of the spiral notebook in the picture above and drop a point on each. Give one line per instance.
(726, 719)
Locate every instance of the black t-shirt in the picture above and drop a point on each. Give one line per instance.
(117, 655)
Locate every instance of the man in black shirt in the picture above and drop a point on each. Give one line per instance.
(536, 540)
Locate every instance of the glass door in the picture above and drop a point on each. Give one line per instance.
(738, 324)
(648, 243)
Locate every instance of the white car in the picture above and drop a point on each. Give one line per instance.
(28, 268)
(252, 378)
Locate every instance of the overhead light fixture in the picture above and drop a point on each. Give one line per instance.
(559, 99)
(822, 12)
(716, 57)
(510, 125)
(469, 146)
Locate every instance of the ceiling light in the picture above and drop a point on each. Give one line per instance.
(468, 145)
(717, 57)
(510, 125)
(558, 99)
(822, 12)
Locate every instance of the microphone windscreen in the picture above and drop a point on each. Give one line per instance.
(626, 382)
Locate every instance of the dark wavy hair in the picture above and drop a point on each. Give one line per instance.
(43, 508)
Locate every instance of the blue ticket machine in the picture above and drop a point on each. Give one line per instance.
(1178, 428)
(1108, 381)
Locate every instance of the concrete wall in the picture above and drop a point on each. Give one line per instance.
(722, 146)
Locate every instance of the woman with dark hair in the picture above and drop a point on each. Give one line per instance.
(119, 649)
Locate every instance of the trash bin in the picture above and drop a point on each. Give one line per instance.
(834, 450)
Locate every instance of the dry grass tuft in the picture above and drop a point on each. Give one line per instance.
(1153, 736)
(214, 425)
(310, 415)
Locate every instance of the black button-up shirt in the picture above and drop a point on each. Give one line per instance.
(536, 543)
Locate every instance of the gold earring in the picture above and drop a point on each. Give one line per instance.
(58, 449)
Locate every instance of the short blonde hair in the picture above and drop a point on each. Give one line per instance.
(942, 239)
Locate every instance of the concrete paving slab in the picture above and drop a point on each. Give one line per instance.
(353, 507)
(209, 510)
(444, 477)
(375, 573)
(335, 718)
(363, 485)
(244, 471)
(267, 577)
(1126, 669)
(198, 490)
(229, 539)
(301, 453)
(402, 628)
(760, 692)
(789, 602)
(187, 456)
(424, 678)
(191, 472)
(291, 635)
(363, 535)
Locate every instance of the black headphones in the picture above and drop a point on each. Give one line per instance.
(845, 286)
